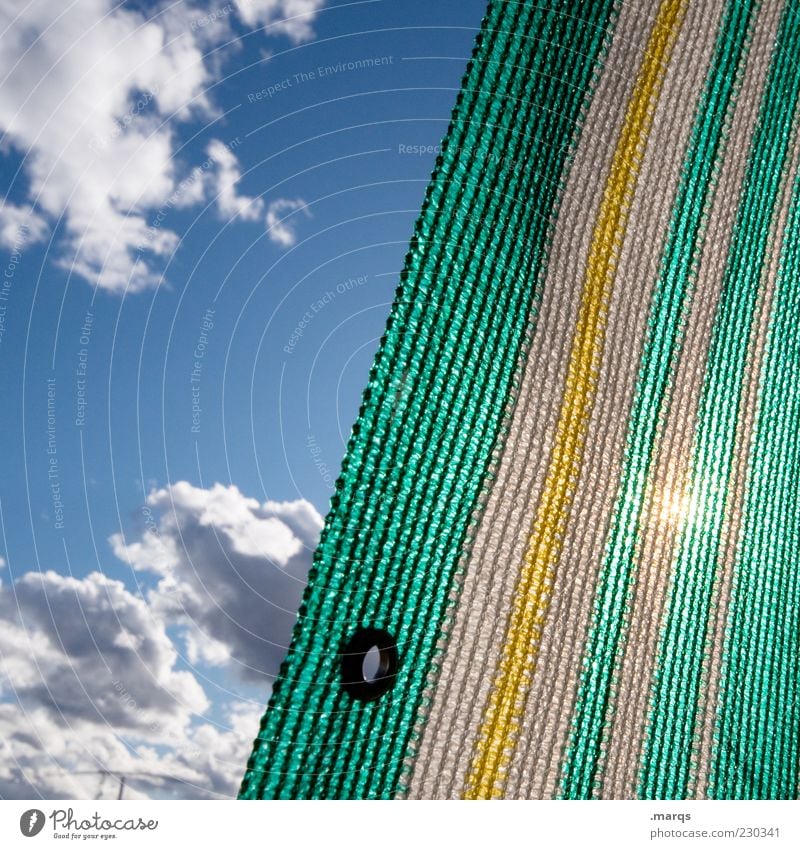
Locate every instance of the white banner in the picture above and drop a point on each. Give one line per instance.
(406, 825)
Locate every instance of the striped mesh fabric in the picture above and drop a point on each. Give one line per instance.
(572, 495)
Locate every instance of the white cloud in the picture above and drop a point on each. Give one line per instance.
(89, 651)
(92, 98)
(290, 17)
(282, 227)
(216, 179)
(89, 682)
(231, 571)
(20, 226)
(82, 98)
(91, 677)
(222, 185)
(39, 758)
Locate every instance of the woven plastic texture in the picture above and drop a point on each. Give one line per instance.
(431, 415)
(572, 496)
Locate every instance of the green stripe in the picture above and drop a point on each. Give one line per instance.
(668, 749)
(661, 349)
(757, 744)
(431, 417)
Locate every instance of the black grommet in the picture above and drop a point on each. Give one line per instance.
(367, 648)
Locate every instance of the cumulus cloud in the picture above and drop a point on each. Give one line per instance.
(39, 758)
(82, 98)
(281, 221)
(231, 571)
(92, 684)
(88, 681)
(66, 641)
(92, 98)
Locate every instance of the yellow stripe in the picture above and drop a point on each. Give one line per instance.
(499, 730)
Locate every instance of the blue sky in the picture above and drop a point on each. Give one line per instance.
(207, 206)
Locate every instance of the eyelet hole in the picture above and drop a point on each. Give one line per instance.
(369, 663)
